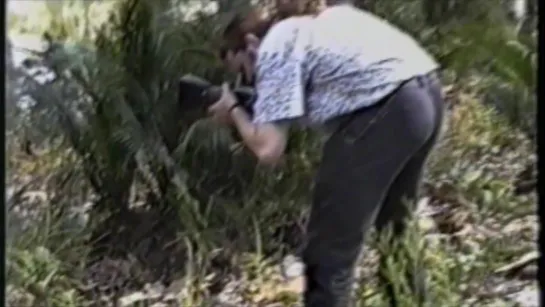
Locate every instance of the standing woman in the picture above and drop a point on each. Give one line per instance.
(374, 92)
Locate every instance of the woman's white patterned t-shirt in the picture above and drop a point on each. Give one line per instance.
(313, 69)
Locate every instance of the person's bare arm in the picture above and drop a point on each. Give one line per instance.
(267, 141)
(280, 85)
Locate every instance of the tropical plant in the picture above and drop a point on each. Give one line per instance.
(174, 195)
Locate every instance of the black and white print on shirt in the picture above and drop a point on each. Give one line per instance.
(280, 76)
(308, 72)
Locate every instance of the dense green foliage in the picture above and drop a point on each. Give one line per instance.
(115, 188)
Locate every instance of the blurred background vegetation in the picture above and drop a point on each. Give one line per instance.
(115, 196)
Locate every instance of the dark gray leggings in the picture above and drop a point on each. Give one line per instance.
(371, 166)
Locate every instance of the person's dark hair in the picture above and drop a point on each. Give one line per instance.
(240, 24)
(233, 24)
(252, 20)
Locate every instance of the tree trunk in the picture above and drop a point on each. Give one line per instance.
(529, 22)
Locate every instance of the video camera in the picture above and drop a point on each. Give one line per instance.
(197, 95)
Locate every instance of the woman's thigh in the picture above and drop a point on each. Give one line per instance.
(402, 195)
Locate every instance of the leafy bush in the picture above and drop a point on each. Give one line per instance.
(174, 200)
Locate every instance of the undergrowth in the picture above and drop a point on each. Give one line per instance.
(473, 220)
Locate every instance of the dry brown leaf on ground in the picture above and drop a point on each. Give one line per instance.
(272, 291)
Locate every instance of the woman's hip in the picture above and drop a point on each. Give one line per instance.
(413, 110)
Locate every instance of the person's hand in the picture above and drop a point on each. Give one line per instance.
(221, 109)
(252, 45)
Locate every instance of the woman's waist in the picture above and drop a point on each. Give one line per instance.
(422, 81)
(328, 103)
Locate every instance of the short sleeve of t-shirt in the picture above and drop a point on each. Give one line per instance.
(280, 73)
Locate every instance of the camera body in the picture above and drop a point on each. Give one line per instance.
(196, 95)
